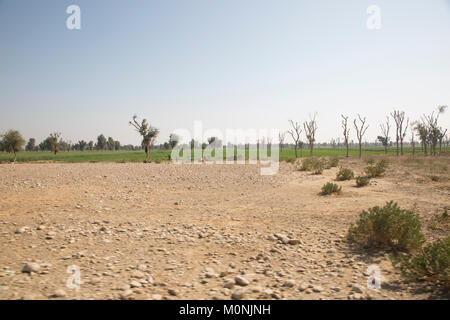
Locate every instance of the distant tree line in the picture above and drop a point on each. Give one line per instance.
(432, 137)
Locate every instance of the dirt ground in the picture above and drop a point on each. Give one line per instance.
(164, 231)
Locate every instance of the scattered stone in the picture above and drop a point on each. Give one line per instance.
(59, 293)
(357, 288)
(238, 294)
(289, 283)
(317, 288)
(173, 292)
(31, 267)
(241, 281)
(229, 283)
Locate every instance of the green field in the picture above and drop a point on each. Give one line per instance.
(163, 155)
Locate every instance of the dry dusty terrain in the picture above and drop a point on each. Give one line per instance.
(161, 231)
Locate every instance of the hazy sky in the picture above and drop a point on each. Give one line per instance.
(229, 63)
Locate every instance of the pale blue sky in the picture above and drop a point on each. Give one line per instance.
(229, 63)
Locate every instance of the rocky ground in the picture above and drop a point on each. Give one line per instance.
(162, 231)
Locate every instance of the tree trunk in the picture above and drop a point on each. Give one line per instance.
(147, 152)
(346, 144)
(385, 149)
(396, 142)
(295, 150)
(15, 156)
(360, 150)
(311, 147)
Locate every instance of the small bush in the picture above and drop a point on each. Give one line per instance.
(377, 170)
(362, 181)
(333, 162)
(431, 264)
(388, 226)
(315, 165)
(330, 188)
(344, 174)
(440, 222)
(434, 178)
(308, 164)
(290, 160)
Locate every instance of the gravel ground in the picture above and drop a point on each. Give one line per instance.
(162, 231)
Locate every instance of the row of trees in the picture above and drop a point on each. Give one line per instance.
(430, 134)
(55, 143)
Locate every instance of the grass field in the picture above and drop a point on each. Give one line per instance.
(163, 155)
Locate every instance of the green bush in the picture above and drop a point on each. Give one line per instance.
(431, 264)
(333, 162)
(377, 170)
(330, 188)
(388, 226)
(315, 165)
(362, 181)
(344, 174)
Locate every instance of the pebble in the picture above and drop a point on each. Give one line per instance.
(241, 281)
(238, 294)
(31, 267)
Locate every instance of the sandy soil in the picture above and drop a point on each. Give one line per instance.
(161, 231)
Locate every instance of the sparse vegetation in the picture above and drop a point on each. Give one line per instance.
(376, 170)
(388, 226)
(344, 174)
(330, 188)
(316, 165)
(362, 181)
(333, 162)
(431, 264)
(440, 222)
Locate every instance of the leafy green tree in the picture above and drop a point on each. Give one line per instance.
(31, 145)
(117, 145)
(45, 145)
(12, 141)
(82, 145)
(101, 142)
(91, 145)
(110, 144)
(173, 140)
(147, 132)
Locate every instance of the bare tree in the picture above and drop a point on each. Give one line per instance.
(413, 144)
(360, 131)
(400, 133)
(346, 131)
(310, 132)
(281, 137)
(433, 129)
(441, 136)
(147, 132)
(333, 143)
(295, 134)
(384, 139)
